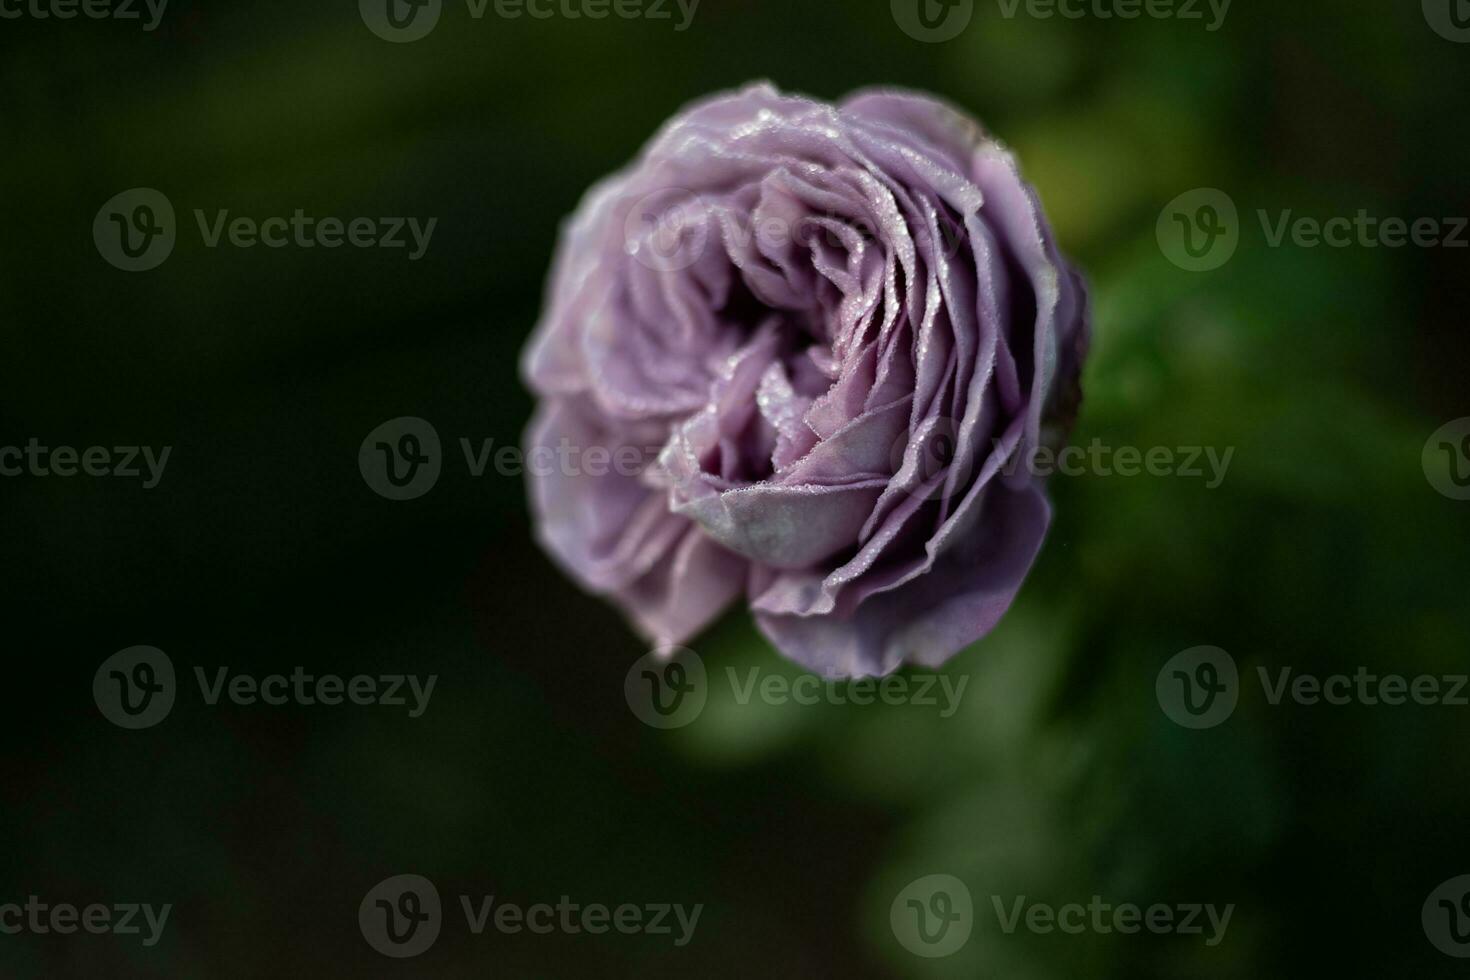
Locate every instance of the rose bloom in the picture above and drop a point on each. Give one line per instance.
(823, 330)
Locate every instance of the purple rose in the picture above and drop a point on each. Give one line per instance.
(814, 342)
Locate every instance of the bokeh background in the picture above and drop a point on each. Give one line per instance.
(1325, 549)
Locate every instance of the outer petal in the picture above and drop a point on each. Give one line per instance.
(615, 535)
(933, 617)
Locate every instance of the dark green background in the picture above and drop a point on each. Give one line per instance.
(1325, 549)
